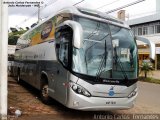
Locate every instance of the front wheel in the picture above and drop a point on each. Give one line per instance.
(44, 94)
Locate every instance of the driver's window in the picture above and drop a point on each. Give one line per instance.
(63, 51)
(63, 39)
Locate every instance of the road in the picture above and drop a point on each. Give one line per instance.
(26, 99)
(149, 96)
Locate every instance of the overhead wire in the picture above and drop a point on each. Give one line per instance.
(127, 5)
(50, 3)
(145, 13)
(46, 5)
(72, 5)
(107, 4)
(78, 2)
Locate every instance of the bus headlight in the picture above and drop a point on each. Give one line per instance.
(133, 93)
(79, 89)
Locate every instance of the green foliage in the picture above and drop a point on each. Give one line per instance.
(14, 35)
(13, 29)
(146, 68)
(12, 39)
(27, 28)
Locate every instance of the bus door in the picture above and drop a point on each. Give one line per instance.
(63, 51)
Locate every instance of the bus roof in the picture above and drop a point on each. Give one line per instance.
(86, 13)
(93, 14)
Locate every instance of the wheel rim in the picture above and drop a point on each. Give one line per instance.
(45, 91)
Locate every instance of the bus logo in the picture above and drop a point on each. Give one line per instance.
(46, 30)
(111, 91)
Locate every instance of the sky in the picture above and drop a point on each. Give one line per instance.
(24, 16)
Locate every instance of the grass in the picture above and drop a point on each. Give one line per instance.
(149, 79)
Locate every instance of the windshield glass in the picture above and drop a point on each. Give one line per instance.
(124, 53)
(108, 51)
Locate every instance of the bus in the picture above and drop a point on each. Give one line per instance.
(84, 59)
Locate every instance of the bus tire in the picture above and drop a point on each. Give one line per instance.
(44, 94)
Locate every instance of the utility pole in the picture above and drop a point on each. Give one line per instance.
(38, 13)
(39, 10)
(3, 59)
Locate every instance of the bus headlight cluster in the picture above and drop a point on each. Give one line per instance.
(79, 89)
(133, 93)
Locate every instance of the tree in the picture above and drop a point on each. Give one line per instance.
(12, 39)
(21, 29)
(14, 35)
(146, 68)
(13, 30)
(27, 28)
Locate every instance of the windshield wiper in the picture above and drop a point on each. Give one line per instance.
(100, 71)
(91, 47)
(119, 61)
(103, 61)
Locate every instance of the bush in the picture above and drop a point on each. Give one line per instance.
(146, 68)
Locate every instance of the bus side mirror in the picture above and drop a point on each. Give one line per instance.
(77, 33)
(151, 45)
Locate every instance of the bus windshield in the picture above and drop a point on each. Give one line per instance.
(108, 51)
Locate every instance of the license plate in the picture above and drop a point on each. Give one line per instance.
(110, 102)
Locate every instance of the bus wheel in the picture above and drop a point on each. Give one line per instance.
(44, 94)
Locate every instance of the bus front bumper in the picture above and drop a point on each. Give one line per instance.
(80, 102)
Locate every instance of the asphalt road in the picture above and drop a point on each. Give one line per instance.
(149, 96)
(26, 98)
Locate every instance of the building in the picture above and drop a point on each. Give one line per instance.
(147, 27)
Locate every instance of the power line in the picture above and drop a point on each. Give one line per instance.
(78, 2)
(119, 8)
(146, 13)
(107, 4)
(72, 5)
(37, 12)
(39, 9)
(25, 20)
(46, 5)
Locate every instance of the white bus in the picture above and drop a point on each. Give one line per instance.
(84, 59)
